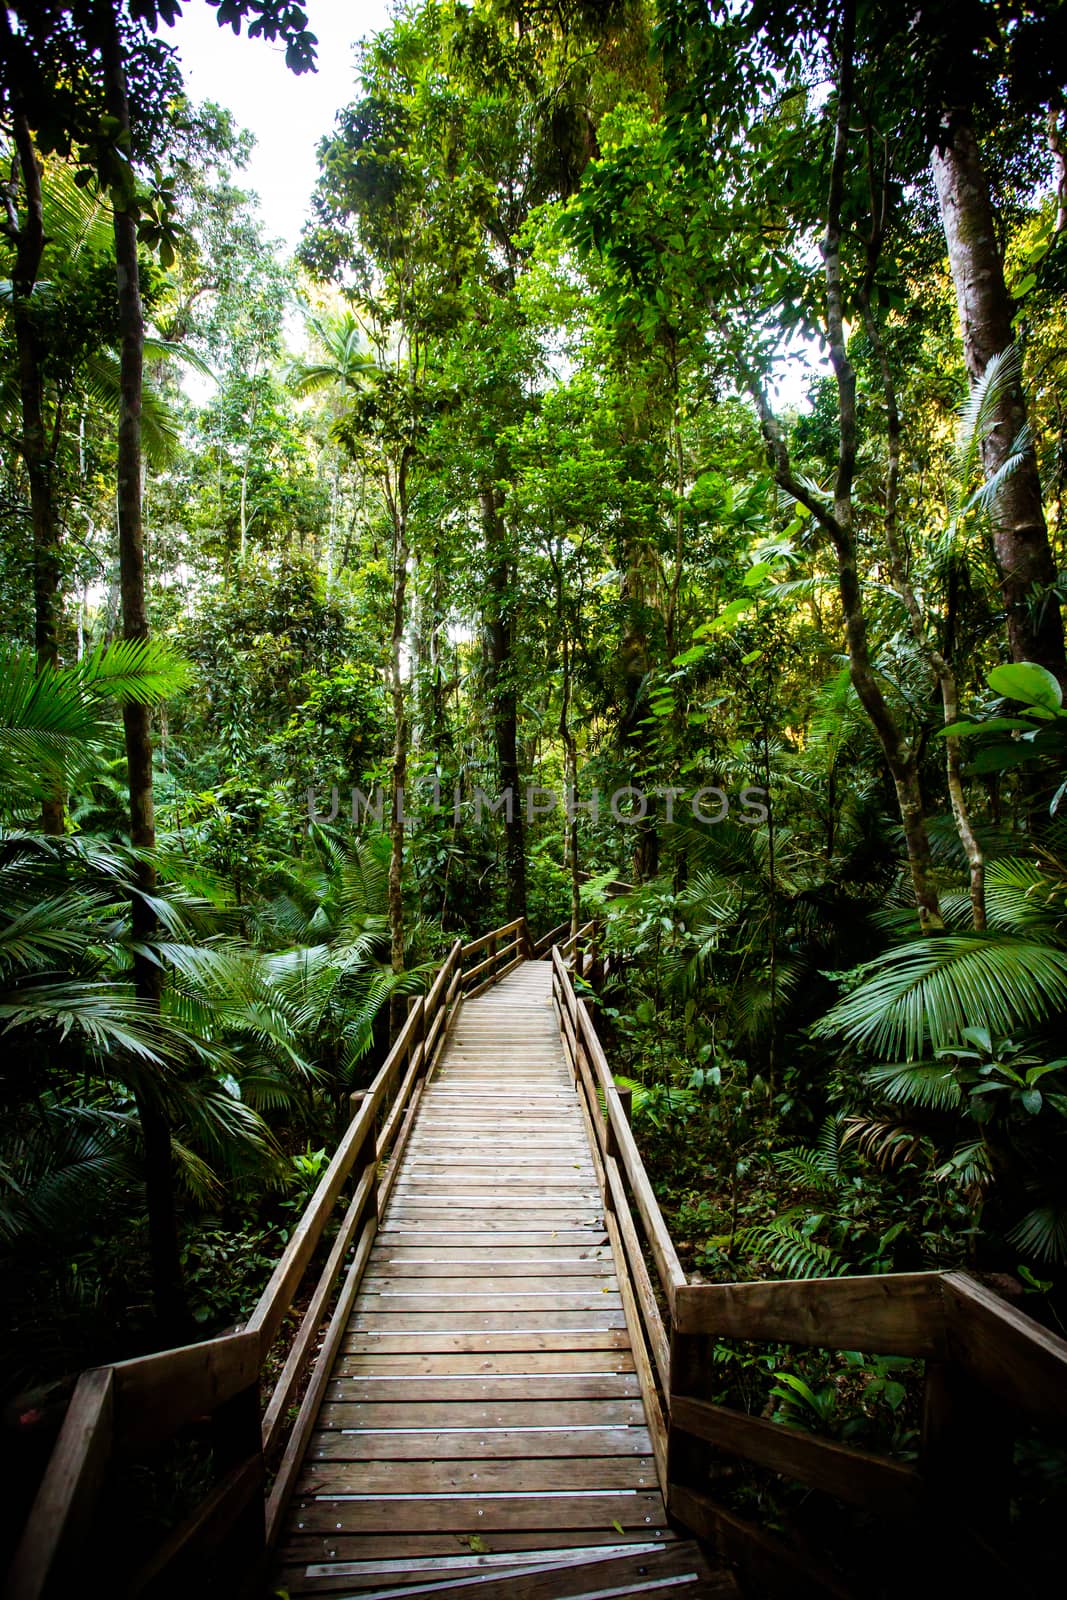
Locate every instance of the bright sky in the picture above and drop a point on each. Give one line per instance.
(287, 114)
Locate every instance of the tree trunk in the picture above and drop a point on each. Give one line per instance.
(570, 781)
(937, 660)
(840, 523)
(400, 734)
(634, 665)
(1020, 536)
(159, 1163)
(503, 699)
(28, 239)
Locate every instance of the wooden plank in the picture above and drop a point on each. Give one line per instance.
(63, 1509)
(651, 1319)
(208, 1525)
(499, 1201)
(490, 962)
(484, 1362)
(482, 987)
(560, 1386)
(303, 1346)
(892, 1314)
(274, 1302)
(768, 1566)
(514, 1294)
(475, 1475)
(156, 1395)
(444, 1340)
(497, 933)
(574, 1191)
(339, 1412)
(284, 1483)
(888, 1487)
(653, 1413)
(450, 1167)
(968, 1439)
(395, 1164)
(306, 1549)
(483, 1321)
(475, 1513)
(430, 1219)
(676, 1572)
(394, 1281)
(1005, 1350)
(493, 1256)
(664, 1254)
(400, 1101)
(432, 1444)
(591, 1236)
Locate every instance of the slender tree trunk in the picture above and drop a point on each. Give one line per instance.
(29, 240)
(159, 1163)
(840, 523)
(401, 555)
(503, 698)
(570, 781)
(936, 659)
(635, 665)
(1057, 139)
(1020, 536)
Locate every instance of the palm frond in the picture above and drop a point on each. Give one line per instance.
(927, 992)
(931, 1084)
(977, 413)
(885, 1143)
(1042, 1233)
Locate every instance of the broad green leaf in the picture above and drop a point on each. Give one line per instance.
(1033, 685)
(991, 725)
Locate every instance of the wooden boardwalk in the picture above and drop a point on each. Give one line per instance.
(483, 1419)
(503, 1378)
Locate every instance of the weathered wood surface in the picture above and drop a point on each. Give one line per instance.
(485, 1385)
(63, 1510)
(896, 1313)
(638, 1568)
(852, 1475)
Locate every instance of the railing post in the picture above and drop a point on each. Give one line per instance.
(966, 1449)
(596, 970)
(237, 1442)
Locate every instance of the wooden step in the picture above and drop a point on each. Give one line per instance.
(676, 1571)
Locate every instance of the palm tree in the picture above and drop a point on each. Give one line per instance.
(343, 367)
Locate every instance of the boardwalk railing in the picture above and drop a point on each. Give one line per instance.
(621, 1174)
(990, 1371)
(121, 1413)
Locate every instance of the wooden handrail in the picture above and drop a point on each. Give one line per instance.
(120, 1410)
(544, 944)
(975, 1344)
(618, 1164)
(898, 1313)
(496, 933)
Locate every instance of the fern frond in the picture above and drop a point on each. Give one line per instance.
(791, 1252)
